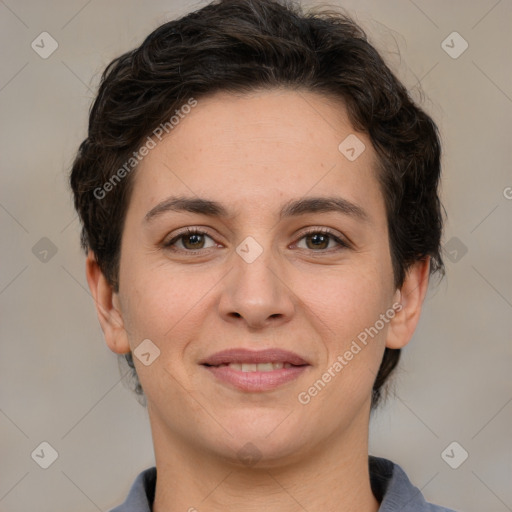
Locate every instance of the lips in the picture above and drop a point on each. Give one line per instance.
(244, 356)
(255, 371)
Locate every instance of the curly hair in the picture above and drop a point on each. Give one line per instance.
(243, 45)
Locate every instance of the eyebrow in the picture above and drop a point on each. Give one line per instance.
(292, 208)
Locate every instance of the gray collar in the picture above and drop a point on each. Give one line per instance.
(389, 483)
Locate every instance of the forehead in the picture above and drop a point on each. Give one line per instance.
(251, 150)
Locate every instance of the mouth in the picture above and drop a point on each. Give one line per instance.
(253, 367)
(255, 371)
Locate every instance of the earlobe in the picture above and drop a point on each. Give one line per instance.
(412, 294)
(107, 307)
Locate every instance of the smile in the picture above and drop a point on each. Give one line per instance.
(253, 367)
(255, 371)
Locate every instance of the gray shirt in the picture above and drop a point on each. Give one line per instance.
(389, 484)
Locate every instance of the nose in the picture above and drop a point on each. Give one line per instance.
(257, 293)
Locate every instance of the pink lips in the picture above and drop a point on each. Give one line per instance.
(242, 355)
(254, 381)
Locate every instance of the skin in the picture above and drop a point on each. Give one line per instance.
(253, 153)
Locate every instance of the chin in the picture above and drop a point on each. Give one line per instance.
(262, 439)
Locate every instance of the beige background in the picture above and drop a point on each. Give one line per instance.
(61, 384)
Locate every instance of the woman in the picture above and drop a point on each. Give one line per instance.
(260, 214)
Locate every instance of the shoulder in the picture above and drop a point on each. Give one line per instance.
(142, 493)
(394, 490)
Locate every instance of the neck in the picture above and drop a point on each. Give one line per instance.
(333, 476)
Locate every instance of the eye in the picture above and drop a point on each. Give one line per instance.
(191, 240)
(318, 239)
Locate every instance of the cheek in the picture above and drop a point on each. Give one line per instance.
(158, 309)
(345, 312)
(166, 307)
(162, 311)
(347, 300)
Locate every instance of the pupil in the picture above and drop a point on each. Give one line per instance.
(318, 236)
(194, 239)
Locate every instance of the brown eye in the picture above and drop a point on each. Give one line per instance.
(319, 240)
(191, 240)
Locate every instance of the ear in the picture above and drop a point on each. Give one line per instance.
(107, 307)
(411, 296)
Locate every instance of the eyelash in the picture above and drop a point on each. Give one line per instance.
(196, 231)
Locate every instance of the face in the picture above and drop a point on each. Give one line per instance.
(264, 268)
